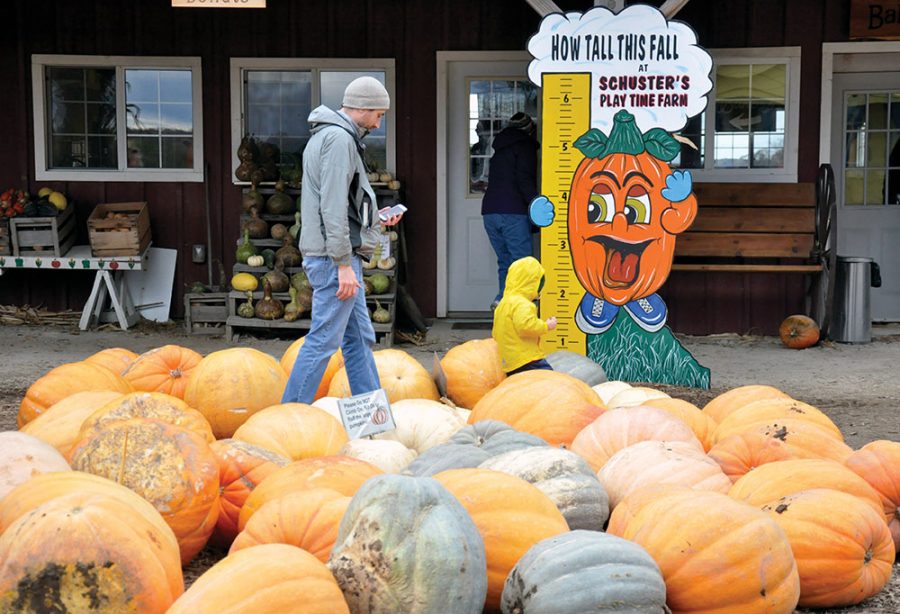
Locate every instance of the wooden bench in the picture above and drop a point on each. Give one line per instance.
(751, 228)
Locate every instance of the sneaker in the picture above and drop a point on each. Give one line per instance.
(595, 315)
(649, 312)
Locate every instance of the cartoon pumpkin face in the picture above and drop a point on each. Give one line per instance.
(621, 229)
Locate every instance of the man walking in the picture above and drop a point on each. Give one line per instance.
(339, 214)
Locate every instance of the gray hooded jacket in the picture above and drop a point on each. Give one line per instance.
(337, 205)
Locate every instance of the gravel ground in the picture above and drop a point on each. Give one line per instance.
(856, 385)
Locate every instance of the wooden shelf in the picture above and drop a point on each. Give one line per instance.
(246, 268)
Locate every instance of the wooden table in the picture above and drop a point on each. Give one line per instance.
(109, 282)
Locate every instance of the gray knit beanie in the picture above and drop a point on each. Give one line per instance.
(521, 121)
(366, 93)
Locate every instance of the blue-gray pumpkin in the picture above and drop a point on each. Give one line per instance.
(563, 476)
(584, 571)
(405, 544)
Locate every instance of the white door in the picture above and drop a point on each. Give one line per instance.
(481, 96)
(866, 160)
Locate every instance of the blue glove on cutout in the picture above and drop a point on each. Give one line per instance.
(541, 211)
(678, 186)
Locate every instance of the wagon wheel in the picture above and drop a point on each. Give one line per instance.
(825, 244)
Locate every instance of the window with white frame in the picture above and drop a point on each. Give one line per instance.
(749, 130)
(108, 118)
(272, 98)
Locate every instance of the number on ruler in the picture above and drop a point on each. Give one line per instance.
(562, 244)
(565, 146)
(565, 196)
(566, 98)
(562, 293)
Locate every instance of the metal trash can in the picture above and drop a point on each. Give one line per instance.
(852, 321)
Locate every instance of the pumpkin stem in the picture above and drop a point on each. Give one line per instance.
(624, 137)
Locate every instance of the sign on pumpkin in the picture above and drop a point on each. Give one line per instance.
(613, 88)
(366, 414)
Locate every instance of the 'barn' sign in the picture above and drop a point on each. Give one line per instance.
(875, 19)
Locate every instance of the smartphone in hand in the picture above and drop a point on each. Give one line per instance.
(389, 213)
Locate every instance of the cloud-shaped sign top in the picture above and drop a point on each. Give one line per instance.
(638, 61)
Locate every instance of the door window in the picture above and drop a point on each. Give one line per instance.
(491, 104)
(872, 148)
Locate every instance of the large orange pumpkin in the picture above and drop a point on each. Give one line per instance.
(23, 457)
(87, 552)
(878, 463)
(60, 424)
(739, 453)
(64, 380)
(170, 466)
(229, 386)
(802, 438)
(732, 400)
(843, 549)
(334, 365)
(769, 409)
(472, 370)
(619, 428)
(401, 375)
(156, 405)
(635, 501)
(717, 554)
(164, 369)
(307, 519)
(510, 514)
(242, 466)
(621, 229)
(772, 481)
(553, 406)
(340, 473)
(799, 332)
(294, 431)
(267, 579)
(114, 359)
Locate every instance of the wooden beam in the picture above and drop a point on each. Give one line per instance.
(671, 7)
(544, 7)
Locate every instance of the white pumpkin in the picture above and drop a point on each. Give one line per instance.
(388, 455)
(648, 463)
(24, 456)
(329, 404)
(422, 424)
(607, 390)
(635, 396)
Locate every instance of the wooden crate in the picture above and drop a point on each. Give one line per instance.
(5, 247)
(51, 235)
(123, 236)
(205, 314)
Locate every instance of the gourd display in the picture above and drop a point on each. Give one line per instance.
(382, 567)
(244, 282)
(277, 280)
(256, 261)
(245, 249)
(245, 309)
(256, 227)
(252, 199)
(288, 254)
(280, 203)
(268, 307)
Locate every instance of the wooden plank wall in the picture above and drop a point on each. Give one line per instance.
(411, 31)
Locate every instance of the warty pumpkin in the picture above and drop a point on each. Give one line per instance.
(229, 386)
(584, 571)
(165, 369)
(294, 431)
(242, 466)
(182, 482)
(717, 554)
(156, 405)
(60, 424)
(511, 515)
(266, 579)
(843, 549)
(111, 559)
(407, 545)
(472, 370)
(64, 380)
(307, 519)
(552, 406)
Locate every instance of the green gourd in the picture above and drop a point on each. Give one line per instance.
(245, 310)
(269, 258)
(292, 310)
(295, 229)
(300, 281)
(245, 249)
(280, 203)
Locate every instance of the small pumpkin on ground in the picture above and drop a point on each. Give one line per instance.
(266, 579)
(584, 571)
(799, 332)
(428, 558)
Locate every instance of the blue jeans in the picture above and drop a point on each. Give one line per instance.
(510, 236)
(335, 324)
(540, 364)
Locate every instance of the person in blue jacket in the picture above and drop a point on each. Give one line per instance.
(512, 184)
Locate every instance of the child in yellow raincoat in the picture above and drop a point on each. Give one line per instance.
(517, 327)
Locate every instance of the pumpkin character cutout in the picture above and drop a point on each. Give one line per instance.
(626, 208)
